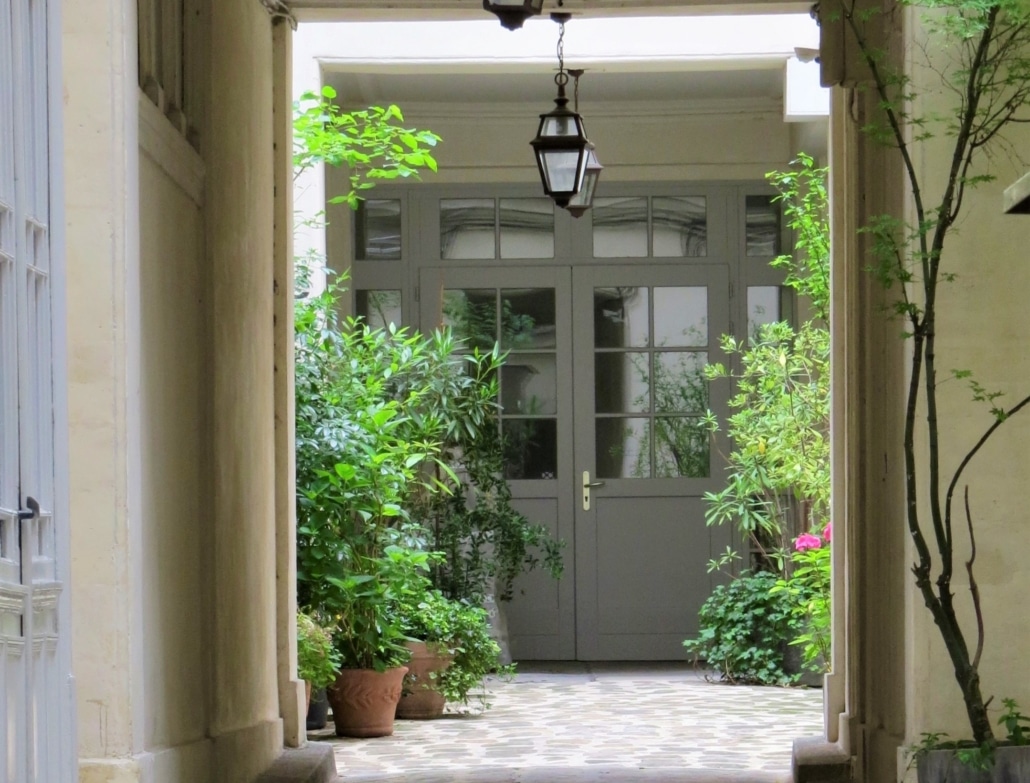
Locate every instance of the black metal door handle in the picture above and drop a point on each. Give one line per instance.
(25, 514)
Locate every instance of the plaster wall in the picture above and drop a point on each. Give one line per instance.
(982, 328)
(170, 346)
(175, 450)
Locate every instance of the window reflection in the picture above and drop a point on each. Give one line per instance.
(621, 317)
(623, 449)
(679, 226)
(528, 318)
(530, 448)
(681, 448)
(378, 230)
(472, 316)
(620, 227)
(527, 228)
(379, 308)
(762, 226)
(763, 307)
(622, 383)
(529, 384)
(467, 228)
(681, 316)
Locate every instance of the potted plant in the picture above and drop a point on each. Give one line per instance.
(429, 621)
(452, 653)
(960, 94)
(317, 659)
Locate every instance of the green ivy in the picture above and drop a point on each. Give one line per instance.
(745, 629)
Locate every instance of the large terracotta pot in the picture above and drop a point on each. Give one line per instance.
(420, 699)
(364, 701)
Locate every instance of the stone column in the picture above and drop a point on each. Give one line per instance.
(103, 285)
(291, 690)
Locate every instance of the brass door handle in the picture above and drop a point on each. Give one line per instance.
(587, 486)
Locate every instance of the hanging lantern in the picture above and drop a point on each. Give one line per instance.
(584, 199)
(513, 13)
(561, 140)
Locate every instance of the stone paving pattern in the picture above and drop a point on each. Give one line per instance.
(604, 717)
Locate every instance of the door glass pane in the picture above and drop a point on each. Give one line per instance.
(762, 226)
(528, 315)
(530, 448)
(621, 383)
(529, 384)
(622, 448)
(763, 307)
(679, 226)
(379, 308)
(681, 316)
(620, 227)
(681, 447)
(679, 382)
(378, 230)
(527, 228)
(472, 315)
(467, 228)
(620, 318)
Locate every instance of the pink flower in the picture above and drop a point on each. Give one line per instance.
(807, 541)
(828, 532)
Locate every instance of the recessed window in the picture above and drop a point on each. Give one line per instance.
(378, 230)
(762, 226)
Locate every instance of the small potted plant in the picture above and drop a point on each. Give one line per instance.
(317, 659)
(429, 620)
(453, 653)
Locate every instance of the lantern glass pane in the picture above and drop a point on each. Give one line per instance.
(560, 170)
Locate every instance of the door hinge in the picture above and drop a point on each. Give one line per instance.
(733, 291)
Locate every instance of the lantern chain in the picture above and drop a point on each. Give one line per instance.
(561, 78)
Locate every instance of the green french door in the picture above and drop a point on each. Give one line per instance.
(528, 311)
(602, 396)
(642, 336)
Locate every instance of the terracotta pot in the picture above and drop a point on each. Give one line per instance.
(364, 701)
(307, 697)
(420, 699)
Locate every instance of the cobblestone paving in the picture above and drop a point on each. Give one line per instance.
(594, 718)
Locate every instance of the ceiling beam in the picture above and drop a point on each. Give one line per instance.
(409, 10)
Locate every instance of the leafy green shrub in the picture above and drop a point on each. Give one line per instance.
(745, 628)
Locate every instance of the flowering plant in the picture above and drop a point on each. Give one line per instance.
(809, 587)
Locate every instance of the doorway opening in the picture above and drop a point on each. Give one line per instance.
(606, 391)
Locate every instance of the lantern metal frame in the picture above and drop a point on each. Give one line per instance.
(513, 16)
(547, 145)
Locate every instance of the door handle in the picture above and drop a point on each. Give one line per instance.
(587, 486)
(25, 514)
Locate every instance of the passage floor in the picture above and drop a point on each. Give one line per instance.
(594, 717)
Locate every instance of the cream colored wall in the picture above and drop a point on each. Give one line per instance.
(170, 346)
(174, 477)
(982, 328)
